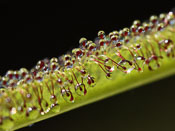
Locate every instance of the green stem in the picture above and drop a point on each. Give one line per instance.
(53, 98)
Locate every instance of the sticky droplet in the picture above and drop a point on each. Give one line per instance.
(14, 114)
(129, 70)
(91, 81)
(125, 64)
(153, 63)
(80, 89)
(67, 95)
(55, 108)
(44, 104)
(109, 75)
(33, 113)
(109, 66)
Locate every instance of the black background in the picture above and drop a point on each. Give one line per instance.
(32, 31)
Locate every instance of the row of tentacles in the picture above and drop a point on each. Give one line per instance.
(22, 92)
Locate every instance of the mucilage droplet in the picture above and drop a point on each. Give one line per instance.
(80, 89)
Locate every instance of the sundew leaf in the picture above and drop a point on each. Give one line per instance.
(113, 63)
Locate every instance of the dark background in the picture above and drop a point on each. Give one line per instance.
(32, 31)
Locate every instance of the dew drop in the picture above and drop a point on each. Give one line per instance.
(91, 81)
(114, 38)
(80, 89)
(4, 81)
(39, 76)
(101, 42)
(101, 34)
(112, 69)
(67, 95)
(118, 45)
(146, 26)
(53, 98)
(92, 47)
(129, 70)
(83, 42)
(68, 64)
(67, 57)
(133, 28)
(140, 60)
(77, 52)
(16, 114)
(137, 23)
(152, 63)
(54, 59)
(33, 113)
(125, 31)
(23, 72)
(126, 64)
(110, 34)
(55, 107)
(13, 111)
(12, 83)
(42, 112)
(17, 75)
(28, 78)
(140, 29)
(54, 66)
(44, 104)
(108, 75)
(109, 66)
(10, 74)
(40, 64)
(162, 17)
(154, 19)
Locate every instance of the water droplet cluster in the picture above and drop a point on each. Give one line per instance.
(33, 93)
